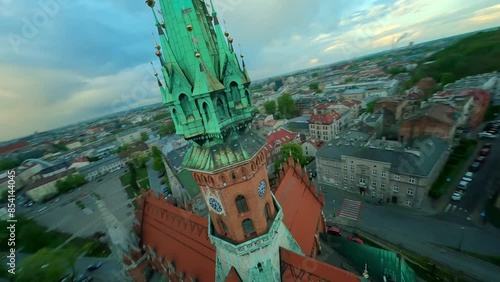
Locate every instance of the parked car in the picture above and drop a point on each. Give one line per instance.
(487, 146)
(82, 278)
(355, 239)
(456, 196)
(94, 266)
(331, 230)
(475, 167)
(480, 159)
(467, 179)
(469, 174)
(463, 185)
(484, 152)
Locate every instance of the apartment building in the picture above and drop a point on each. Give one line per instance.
(324, 126)
(132, 135)
(400, 177)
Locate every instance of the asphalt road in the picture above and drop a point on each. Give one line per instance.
(479, 190)
(154, 178)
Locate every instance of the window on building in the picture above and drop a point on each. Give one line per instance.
(381, 195)
(396, 176)
(267, 212)
(345, 175)
(335, 164)
(248, 226)
(336, 173)
(374, 193)
(241, 204)
(352, 167)
(408, 203)
(395, 188)
(259, 267)
(374, 183)
(374, 172)
(224, 227)
(383, 173)
(410, 191)
(345, 166)
(352, 177)
(233, 176)
(411, 180)
(362, 180)
(363, 170)
(382, 185)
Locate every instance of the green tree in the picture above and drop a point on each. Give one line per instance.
(62, 186)
(155, 152)
(46, 265)
(158, 164)
(314, 86)
(370, 106)
(7, 164)
(295, 149)
(4, 196)
(133, 177)
(286, 106)
(161, 116)
(60, 147)
(315, 74)
(166, 129)
(270, 107)
(144, 137)
(33, 237)
(124, 148)
(446, 78)
(394, 71)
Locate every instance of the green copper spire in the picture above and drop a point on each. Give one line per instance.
(205, 87)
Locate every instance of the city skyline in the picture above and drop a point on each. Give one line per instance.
(68, 62)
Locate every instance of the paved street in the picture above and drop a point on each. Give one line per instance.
(66, 216)
(154, 178)
(479, 190)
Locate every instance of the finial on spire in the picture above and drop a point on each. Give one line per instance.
(150, 3)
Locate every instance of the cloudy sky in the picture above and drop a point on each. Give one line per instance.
(62, 61)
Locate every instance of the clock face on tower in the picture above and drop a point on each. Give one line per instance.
(262, 188)
(215, 205)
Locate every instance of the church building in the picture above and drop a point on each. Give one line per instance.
(253, 232)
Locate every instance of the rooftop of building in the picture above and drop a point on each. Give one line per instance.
(325, 119)
(98, 164)
(280, 136)
(130, 131)
(13, 147)
(419, 161)
(374, 118)
(317, 143)
(55, 167)
(354, 91)
(439, 112)
(46, 180)
(220, 155)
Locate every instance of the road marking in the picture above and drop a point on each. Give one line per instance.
(350, 209)
(453, 208)
(447, 208)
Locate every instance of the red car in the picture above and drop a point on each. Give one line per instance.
(355, 239)
(330, 230)
(484, 152)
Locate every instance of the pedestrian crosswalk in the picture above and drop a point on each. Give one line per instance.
(458, 211)
(350, 209)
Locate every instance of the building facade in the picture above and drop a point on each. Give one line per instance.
(94, 170)
(324, 126)
(399, 177)
(274, 142)
(132, 135)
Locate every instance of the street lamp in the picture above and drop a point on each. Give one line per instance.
(461, 238)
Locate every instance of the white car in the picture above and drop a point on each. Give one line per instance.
(469, 174)
(456, 196)
(467, 179)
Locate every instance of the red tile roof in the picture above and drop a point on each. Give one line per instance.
(180, 236)
(477, 94)
(295, 267)
(326, 119)
(324, 106)
(13, 147)
(351, 103)
(317, 143)
(301, 209)
(281, 136)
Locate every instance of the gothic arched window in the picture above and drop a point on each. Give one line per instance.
(248, 226)
(267, 212)
(206, 111)
(220, 108)
(186, 107)
(241, 204)
(235, 92)
(233, 176)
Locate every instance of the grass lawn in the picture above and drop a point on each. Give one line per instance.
(142, 172)
(453, 167)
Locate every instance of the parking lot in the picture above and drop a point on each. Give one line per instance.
(478, 191)
(66, 216)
